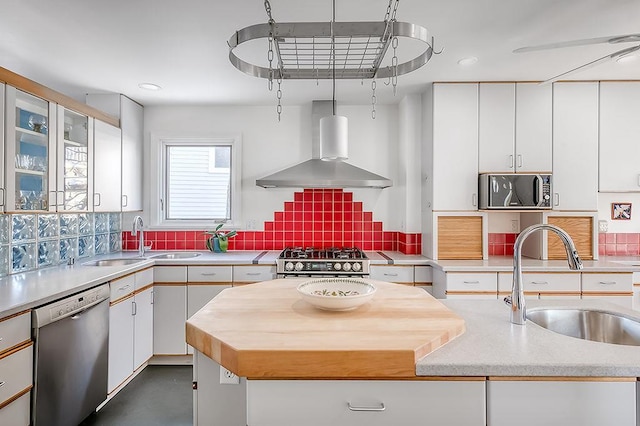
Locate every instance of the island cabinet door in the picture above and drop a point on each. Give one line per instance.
(583, 403)
(365, 403)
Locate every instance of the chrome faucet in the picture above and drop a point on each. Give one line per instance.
(138, 226)
(516, 300)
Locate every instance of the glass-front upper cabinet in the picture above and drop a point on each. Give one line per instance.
(74, 176)
(29, 165)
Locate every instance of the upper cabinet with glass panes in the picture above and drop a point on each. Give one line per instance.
(74, 175)
(30, 141)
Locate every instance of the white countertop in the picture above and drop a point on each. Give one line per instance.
(493, 346)
(505, 264)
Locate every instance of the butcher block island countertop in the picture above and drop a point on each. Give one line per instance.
(265, 330)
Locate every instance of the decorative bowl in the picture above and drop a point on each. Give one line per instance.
(336, 294)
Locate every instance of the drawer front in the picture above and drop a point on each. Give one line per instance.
(17, 413)
(251, 274)
(170, 274)
(541, 282)
(471, 296)
(16, 373)
(143, 278)
(607, 283)
(122, 287)
(473, 281)
(15, 330)
(624, 301)
(370, 403)
(394, 274)
(209, 274)
(423, 274)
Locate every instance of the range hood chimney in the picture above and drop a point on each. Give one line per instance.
(316, 173)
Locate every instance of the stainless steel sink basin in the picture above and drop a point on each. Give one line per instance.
(114, 262)
(598, 326)
(177, 255)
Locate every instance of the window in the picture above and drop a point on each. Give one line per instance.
(197, 181)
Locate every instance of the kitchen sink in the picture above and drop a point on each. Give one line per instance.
(114, 262)
(177, 255)
(598, 326)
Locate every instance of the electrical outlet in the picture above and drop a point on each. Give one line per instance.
(228, 378)
(515, 227)
(603, 226)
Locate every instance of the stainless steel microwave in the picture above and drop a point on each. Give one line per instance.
(515, 191)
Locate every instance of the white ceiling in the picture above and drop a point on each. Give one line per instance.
(94, 46)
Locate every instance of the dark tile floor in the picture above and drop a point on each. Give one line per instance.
(160, 395)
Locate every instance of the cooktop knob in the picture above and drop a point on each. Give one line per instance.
(289, 266)
(356, 267)
(346, 266)
(337, 266)
(299, 266)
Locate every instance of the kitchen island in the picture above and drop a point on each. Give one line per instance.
(492, 373)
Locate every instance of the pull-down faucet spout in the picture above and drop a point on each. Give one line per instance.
(138, 228)
(516, 300)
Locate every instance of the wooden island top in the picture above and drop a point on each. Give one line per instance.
(265, 330)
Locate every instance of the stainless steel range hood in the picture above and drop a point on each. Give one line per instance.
(316, 173)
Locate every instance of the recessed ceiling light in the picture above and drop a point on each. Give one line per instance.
(469, 60)
(149, 86)
(627, 59)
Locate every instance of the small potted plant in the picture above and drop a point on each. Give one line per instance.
(219, 240)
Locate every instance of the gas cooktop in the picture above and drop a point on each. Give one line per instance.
(333, 261)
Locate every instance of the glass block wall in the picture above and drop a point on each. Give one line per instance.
(32, 241)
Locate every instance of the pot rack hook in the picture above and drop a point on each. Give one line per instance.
(433, 43)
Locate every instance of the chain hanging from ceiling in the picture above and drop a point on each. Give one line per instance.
(307, 50)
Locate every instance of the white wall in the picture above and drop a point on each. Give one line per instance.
(604, 211)
(269, 146)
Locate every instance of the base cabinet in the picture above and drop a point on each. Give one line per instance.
(18, 413)
(365, 402)
(198, 296)
(169, 312)
(535, 403)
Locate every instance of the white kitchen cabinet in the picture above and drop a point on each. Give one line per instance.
(543, 284)
(14, 331)
(170, 274)
(169, 313)
(575, 146)
(619, 170)
(496, 128)
(247, 274)
(583, 403)
(143, 327)
(199, 295)
(210, 274)
(30, 152)
(465, 285)
(533, 127)
(3, 188)
(612, 287)
(423, 277)
(18, 412)
(121, 329)
(401, 274)
(131, 115)
(366, 402)
(107, 167)
(454, 158)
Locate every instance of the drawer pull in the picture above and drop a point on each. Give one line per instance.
(471, 282)
(253, 274)
(380, 407)
(124, 287)
(389, 274)
(2, 384)
(207, 274)
(608, 282)
(539, 282)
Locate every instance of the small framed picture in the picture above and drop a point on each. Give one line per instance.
(621, 211)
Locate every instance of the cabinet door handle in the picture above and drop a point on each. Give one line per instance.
(253, 274)
(607, 282)
(389, 274)
(638, 180)
(2, 384)
(2, 198)
(511, 161)
(124, 287)
(97, 200)
(539, 282)
(207, 274)
(474, 200)
(471, 282)
(556, 199)
(125, 201)
(134, 308)
(519, 160)
(152, 296)
(380, 407)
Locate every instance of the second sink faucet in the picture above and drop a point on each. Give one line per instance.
(516, 300)
(138, 228)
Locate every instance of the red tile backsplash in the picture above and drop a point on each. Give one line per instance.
(501, 244)
(315, 217)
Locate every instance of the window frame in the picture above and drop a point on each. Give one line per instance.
(159, 146)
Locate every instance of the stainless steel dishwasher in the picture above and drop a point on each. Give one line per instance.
(71, 358)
